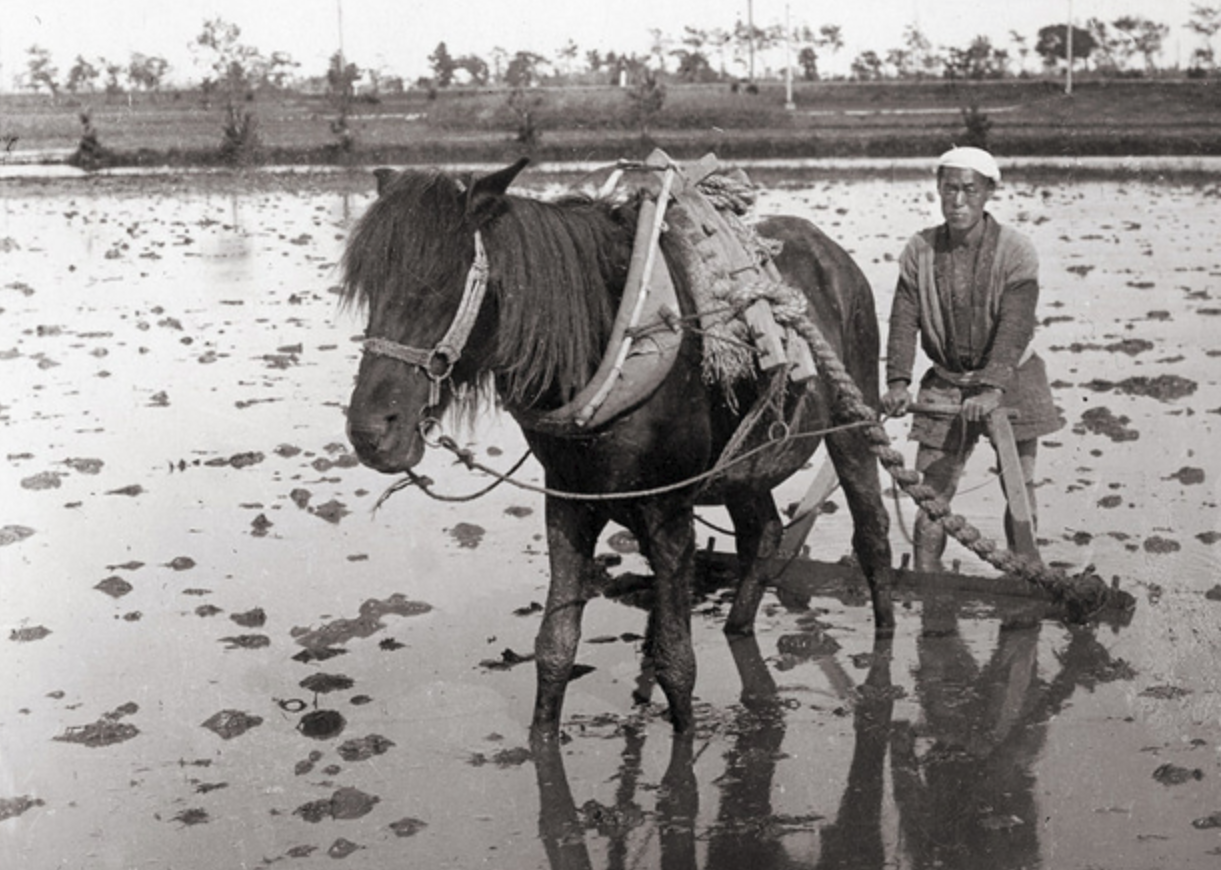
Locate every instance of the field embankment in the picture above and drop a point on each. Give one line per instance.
(833, 119)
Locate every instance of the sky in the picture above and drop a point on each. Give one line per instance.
(398, 35)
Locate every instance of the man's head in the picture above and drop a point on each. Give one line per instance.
(966, 179)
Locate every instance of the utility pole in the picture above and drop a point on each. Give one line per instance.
(750, 36)
(1068, 50)
(788, 62)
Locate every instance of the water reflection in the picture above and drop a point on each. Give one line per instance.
(962, 782)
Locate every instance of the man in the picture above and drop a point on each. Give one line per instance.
(968, 289)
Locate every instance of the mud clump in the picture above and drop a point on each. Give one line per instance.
(1158, 544)
(29, 634)
(409, 827)
(10, 808)
(325, 683)
(322, 724)
(1101, 421)
(114, 586)
(468, 535)
(228, 724)
(1172, 774)
(106, 731)
(344, 804)
(1188, 475)
(1164, 388)
(364, 748)
(369, 621)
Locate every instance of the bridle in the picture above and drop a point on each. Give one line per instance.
(438, 361)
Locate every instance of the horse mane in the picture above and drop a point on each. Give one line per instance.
(556, 273)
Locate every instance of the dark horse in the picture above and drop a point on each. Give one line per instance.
(556, 272)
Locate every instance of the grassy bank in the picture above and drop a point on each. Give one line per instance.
(835, 119)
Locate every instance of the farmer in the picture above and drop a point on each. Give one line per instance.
(968, 288)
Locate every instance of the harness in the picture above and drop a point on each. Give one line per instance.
(438, 361)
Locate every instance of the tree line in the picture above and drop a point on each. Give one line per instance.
(1126, 46)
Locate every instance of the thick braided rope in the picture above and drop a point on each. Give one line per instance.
(1084, 595)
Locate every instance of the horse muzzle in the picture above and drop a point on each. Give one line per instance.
(388, 444)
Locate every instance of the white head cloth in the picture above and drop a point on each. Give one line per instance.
(971, 158)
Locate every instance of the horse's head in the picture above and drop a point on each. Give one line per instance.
(416, 262)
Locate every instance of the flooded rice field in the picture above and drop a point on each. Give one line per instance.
(214, 654)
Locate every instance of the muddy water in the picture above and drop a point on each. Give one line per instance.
(215, 655)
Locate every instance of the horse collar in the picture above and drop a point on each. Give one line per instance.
(438, 361)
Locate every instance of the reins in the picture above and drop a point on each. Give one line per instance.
(467, 458)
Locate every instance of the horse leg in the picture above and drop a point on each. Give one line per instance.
(858, 474)
(667, 534)
(757, 531)
(572, 532)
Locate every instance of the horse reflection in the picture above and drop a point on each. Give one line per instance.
(963, 772)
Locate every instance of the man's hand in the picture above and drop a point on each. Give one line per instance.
(978, 407)
(896, 400)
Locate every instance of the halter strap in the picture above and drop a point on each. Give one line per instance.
(438, 361)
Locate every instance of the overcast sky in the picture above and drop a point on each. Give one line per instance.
(398, 35)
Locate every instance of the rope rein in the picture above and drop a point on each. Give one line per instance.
(467, 458)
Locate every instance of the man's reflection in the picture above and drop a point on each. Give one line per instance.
(963, 773)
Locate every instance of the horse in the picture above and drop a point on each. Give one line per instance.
(554, 274)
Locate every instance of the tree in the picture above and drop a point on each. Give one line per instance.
(81, 76)
(1146, 36)
(1053, 44)
(443, 66)
(693, 66)
(279, 69)
(867, 66)
(922, 60)
(236, 68)
(807, 59)
(475, 68)
(40, 71)
(566, 56)
(113, 71)
(146, 73)
(645, 98)
(979, 60)
(1205, 21)
(523, 70)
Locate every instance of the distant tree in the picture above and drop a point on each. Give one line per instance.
(476, 69)
(1146, 36)
(81, 76)
(341, 79)
(443, 66)
(500, 61)
(659, 47)
(524, 69)
(280, 68)
(146, 73)
(979, 60)
(235, 68)
(594, 60)
(720, 39)
(645, 99)
(807, 59)
(693, 66)
(566, 57)
(524, 107)
(921, 59)
(1053, 44)
(113, 71)
(1205, 21)
(867, 66)
(1021, 47)
(41, 72)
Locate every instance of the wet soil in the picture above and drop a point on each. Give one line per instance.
(215, 653)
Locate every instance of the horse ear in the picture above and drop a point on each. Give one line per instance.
(384, 176)
(483, 195)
